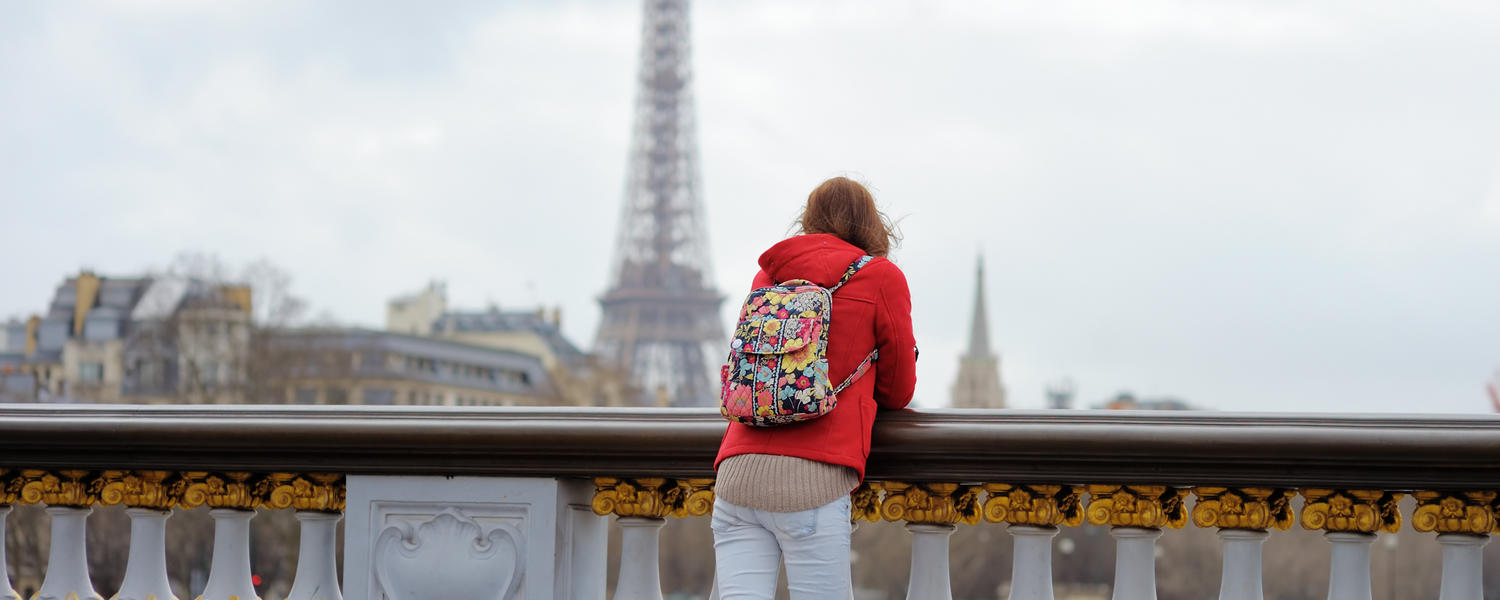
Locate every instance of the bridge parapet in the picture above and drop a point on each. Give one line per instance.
(475, 501)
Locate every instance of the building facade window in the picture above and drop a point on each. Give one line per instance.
(306, 395)
(379, 396)
(90, 372)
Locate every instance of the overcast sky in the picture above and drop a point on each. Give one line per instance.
(1289, 206)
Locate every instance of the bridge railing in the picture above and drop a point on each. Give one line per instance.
(517, 502)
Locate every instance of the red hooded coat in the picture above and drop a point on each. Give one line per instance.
(872, 311)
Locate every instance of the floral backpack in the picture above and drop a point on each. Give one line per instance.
(777, 371)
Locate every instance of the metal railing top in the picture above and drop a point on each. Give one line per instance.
(1375, 451)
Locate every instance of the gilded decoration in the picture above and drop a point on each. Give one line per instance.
(1363, 511)
(323, 492)
(236, 489)
(1445, 512)
(78, 488)
(1148, 506)
(653, 497)
(159, 490)
(1040, 505)
(11, 482)
(930, 503)
(864, 503)
(1243, 508)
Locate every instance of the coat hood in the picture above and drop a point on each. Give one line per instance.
(817, 257)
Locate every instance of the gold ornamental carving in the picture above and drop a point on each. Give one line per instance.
(930, 503)
(1362, 511)
(653, 497)
(234, 489)
(1243, 508)
(1445, 512)
(1148, 506)
(864, 503)
(11, 482)
(1040, 505)
(322, 492)
(158, 490)
(68, 487)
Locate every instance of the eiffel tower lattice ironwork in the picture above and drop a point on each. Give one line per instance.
(661, 313)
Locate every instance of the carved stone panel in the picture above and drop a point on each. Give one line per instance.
(486, 538)
(449, 555)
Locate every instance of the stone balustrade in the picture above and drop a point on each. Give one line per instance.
(516, 503)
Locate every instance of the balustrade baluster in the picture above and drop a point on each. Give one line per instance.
(229, 572)
(149, 496)
(232, 498)
(1241, 577)
(1243, 516)
(317, 575)
(640, 562)
(1032, 513)
(931, 511)
(1031, 567)
(146, 566)
(642, 506)
(1463, 566)
(1136, 514)
(1350, 518)
(319, 501)
(6, 591)
(69, 499)
(929, 562)
(1349, 565)
(1463, 522)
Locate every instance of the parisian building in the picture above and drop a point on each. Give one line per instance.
(130, 339)
(578, 377)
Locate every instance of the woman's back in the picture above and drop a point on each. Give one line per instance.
(870, 312)
(784, 491)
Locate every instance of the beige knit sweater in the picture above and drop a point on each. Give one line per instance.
(782, 483)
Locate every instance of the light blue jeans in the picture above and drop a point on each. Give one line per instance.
(749, 545)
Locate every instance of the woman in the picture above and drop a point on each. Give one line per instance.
(784, 491)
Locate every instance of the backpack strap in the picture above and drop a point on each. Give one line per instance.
(854, 267)
(858, 372)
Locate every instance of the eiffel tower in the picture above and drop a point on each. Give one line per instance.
(661, 313)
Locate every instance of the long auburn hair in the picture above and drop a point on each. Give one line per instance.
(844, 208)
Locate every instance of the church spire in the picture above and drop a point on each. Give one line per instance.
(978, 383)
(979, 328)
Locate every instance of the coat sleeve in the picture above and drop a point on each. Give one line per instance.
(896, 371)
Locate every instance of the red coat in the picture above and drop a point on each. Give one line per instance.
(872, 311)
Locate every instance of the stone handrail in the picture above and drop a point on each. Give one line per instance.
(1014, 446)
(526, 486)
